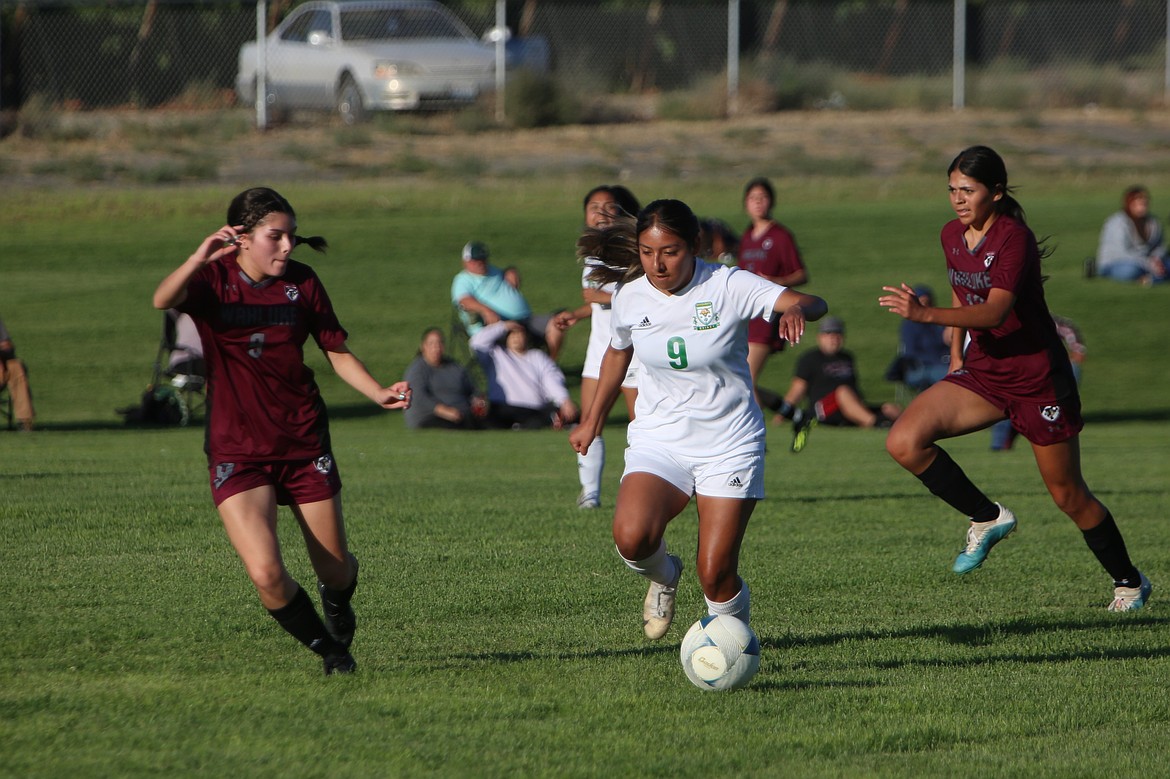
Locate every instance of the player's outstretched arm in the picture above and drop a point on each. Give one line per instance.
(614, 365)
(354, 373)
(795, 309)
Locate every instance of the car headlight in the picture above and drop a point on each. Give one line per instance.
(387, 69)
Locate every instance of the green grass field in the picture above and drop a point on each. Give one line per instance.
(499, 633)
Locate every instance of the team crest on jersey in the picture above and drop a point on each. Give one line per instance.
(324, 463)
(1050, 413)
(291, 292)
(706, 318)
(987, 260)
(767, 244)
(223, 472)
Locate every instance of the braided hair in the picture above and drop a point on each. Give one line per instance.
(250, 207)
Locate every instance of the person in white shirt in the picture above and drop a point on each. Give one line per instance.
(697, 428)
(526, 389)
(603, 204)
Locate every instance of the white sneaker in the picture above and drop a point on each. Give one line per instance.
(981, 536)
(658, 608)
(590, 501)
(1131, 598)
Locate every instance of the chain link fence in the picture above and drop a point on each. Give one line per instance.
(618, 59)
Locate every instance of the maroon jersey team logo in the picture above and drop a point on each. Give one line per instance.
(1050, 413)
(292, 293)
(324, 464)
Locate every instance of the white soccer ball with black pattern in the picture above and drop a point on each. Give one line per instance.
(720, 653)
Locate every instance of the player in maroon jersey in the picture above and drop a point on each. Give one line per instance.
(767, 249)
(267, 428)
(1014, 367)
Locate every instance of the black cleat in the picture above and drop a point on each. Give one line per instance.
(339, 663)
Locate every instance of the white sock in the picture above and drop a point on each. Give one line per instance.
(740, 606)
(658, 567)
(590, 466)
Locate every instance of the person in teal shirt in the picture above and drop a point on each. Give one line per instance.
(484, 296)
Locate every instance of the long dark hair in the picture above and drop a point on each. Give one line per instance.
(251, 206)
(673, 216)
(764, 184)
(612, 252)
(983, 164)
(623, 198)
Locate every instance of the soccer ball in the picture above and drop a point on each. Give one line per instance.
(720, 653)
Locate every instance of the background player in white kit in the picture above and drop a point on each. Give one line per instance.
(603, 205)
(697, 429)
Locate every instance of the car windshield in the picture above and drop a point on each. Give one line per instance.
(382, 23)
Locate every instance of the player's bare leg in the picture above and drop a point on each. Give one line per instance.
(323, 527)
(722, 524)
(645, 505)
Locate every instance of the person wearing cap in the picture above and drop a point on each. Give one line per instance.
(14, 376)
(484, 295)
(1132, 246)
(827, 379)
(924, 349)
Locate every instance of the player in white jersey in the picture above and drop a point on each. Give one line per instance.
(697, 429)
(603, 204)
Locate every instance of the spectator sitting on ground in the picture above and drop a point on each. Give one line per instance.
(526, 389)
(485, 296)
(186, 357)
(924, 350)
(444, 395)
(1132, 245)
(15, 377)
(827, 378)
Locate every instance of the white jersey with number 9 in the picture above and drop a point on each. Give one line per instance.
(694, 387)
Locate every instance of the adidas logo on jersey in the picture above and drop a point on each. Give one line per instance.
(734, 481)
(643, 324)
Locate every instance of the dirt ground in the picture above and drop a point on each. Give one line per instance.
(169, 148)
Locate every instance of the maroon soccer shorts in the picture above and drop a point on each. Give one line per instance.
(761, 331)
(296, 482)
(1042, 420)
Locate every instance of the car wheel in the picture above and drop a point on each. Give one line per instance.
(349, 102)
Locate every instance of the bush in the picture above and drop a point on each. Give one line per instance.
(536, 100)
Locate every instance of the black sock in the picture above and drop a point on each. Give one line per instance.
(341, 597)
(770, 400)
(1107, 544)
(303, 623)
(945, 479)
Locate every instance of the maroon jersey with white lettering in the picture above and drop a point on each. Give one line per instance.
(1022, 357)
(262, 400)
(772, 254)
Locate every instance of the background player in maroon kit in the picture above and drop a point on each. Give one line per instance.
(1015, 367)
(267, 428)
(767, 249)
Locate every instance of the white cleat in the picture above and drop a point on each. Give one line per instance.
(658, 608)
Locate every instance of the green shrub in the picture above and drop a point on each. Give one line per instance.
(536, 100)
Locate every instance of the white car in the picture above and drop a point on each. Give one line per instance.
(357, 56)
